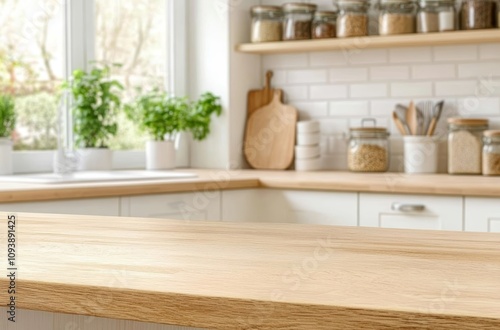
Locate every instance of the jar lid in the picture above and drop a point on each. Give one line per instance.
(468, 122)
(492, 133)
(325, 14)
(299, 7)
(265, 9)
(369, 131)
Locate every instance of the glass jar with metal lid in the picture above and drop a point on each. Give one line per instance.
(352, 20)
(267, 23)
(396, 17)
(491, 153)
(436, 16)
(324, 25)
(298, 21)
(368, 149)
(477, 14)
(465, 145)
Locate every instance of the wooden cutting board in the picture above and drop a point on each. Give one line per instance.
(270, 136)
(261, 97)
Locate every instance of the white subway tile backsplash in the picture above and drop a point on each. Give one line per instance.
(478, 70)
(456, 88)
(284, 61)
(340, 88)
(368, 90)
(473, 107)
(410, 55)
(328, 59)
(366, 56)
(389, 73)
(455, 53)
(349, 108)
(310, 110)
(327, 92)
(293, 93)
(433, 71)
(348, 74)
(489, 51)
(307, 76)
(411, 89)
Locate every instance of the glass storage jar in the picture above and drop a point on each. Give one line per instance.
(298, 21)
(324, 25)
(465, 145)
(436, 16)
(368, 149)
(477, 14)
(491, 153)
(396, 17)
(267, 23)
(352, 20)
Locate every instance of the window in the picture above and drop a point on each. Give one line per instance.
(133, 34)
(41, 41)
(32, 66)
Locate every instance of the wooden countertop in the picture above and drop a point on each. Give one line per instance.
(256, 276)
(440, 184)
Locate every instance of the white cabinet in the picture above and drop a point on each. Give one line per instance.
(97, 206)
(411, 212)
(482, 214)
(203, 205)
(290, 206)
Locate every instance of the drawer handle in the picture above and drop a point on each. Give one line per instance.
(408, 207)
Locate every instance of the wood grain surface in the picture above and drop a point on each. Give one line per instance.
(397, 183)
(262, 97)
(270, 136)
(256, 276)
(414, 40)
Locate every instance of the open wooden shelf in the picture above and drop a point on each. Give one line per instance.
(406, 40)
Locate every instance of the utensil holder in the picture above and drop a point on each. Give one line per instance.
(420, 154)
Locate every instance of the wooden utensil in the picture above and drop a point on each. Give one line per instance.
(438, 109)
(401, 111)
(411, 118)
(261, 97)
(270, 136)
(398, 123)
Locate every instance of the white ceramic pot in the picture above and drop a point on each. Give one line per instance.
(95, 159)
(160, 155)
(6, 167)
(304, 127)
(307, 152)
(308, 165)
(421, 154)
(308, 139)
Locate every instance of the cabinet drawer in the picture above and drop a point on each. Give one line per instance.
(100, 206)
(411, 212)
(290, 206)
(197, 206)
(482, 214)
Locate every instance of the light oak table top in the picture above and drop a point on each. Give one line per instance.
(437, 184)
(256, 276)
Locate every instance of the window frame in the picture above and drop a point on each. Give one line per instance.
(79, 44)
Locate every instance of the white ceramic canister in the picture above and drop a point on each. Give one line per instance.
(420, 154)
(308, 165)
(311, 126)
(308, 139)
(307, 152)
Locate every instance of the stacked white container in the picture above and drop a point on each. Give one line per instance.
(308, 151)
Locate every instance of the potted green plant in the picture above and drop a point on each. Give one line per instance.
(7, 125)
(95, 105)
(164, 117)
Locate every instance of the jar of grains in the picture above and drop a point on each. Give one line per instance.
(352, 20)
(491, 153)
(298, 21)
(396, 17)
(477, 14)
(267, 23)
(436, 16)
(324, 25)
(465, 145)
(368, 149)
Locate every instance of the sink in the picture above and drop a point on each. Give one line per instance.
(105, 176)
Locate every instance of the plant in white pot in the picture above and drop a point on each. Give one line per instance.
(7, 124)
(95, 105)
(163, 117)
